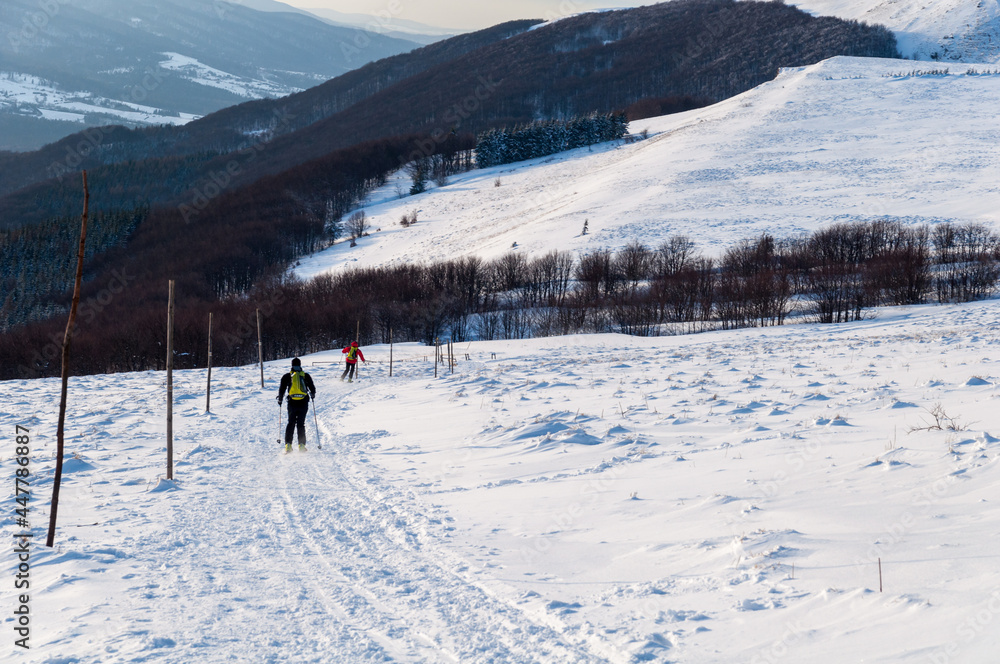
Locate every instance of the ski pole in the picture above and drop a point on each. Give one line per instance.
(279, 423)
(319, 442)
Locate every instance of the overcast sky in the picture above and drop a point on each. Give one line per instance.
(466, 14)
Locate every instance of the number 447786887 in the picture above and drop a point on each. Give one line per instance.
(22, 489)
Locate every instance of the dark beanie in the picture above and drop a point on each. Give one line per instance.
(296, 362)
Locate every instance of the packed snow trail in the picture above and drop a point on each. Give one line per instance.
(306, 557)
(391, 572)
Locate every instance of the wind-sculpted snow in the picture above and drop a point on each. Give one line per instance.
(709, 499)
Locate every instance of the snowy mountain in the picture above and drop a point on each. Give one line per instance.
(800, 493)
(383, 22)
(945, 30)
(92, 62)
(387, 24)
(847, 139)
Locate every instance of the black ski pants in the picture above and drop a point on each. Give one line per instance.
(297, 410)
(349, 371)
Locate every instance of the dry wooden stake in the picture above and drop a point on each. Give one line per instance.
(170, 380)
(67, 340)
(208, 386)
(260, 349)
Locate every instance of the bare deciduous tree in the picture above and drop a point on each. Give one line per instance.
(357, 225)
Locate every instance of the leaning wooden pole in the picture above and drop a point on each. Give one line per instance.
(170, 380)
(208, 386)
(67, 340)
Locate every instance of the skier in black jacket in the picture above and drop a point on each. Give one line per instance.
(300, 388)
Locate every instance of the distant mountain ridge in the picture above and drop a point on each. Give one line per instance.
(72, 63)
(601, 61)
(388, 24)
(238, 127)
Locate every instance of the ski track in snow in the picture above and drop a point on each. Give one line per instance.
(284, 558)
(711, 498)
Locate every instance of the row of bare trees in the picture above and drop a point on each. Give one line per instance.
(834, 275)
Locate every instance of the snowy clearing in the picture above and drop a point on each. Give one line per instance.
(847, 139)
(714, 498)
(202, 74)
(29, 95)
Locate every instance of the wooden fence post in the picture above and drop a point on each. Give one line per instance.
(208, 387)
(260, 349)
(170, 380)
(67, 340)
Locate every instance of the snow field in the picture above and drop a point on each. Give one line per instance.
(714, 498)
(708, 499)
(953, 30)
(848, 139)
(73, 106)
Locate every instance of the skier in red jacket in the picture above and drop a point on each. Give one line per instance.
(353, 353)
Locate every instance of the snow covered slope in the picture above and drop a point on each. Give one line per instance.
(946, 30)
(711, 499)
(705, 500)
(842, 140)
(32, 96)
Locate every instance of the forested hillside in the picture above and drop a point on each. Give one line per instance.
(226, 225)
(597, 62)
(237, 127)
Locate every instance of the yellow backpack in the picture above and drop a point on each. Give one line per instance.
(298, 389)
